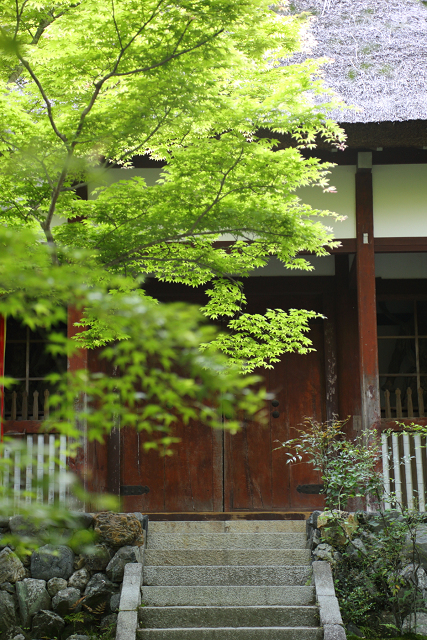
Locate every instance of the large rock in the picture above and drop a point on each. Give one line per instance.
(7, 586)
(115, 602)
(56, 584)
(119, 529)
(337, 527)
(67, 601)
(98, 592)
(124, 556)
(32, 598)
(11, 568)
(15, 633)
(79, 579)
(7, 611)
(416, 624)
(47, 624)
(311, 523)
(356, 548)
(82, 519)
(415, 575)
(324, 551)
(25, 528)
(99, 558)
(421, 545)
(52, 561)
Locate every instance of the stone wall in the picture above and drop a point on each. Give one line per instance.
(59, 593)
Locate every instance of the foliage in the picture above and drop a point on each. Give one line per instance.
(376, 579)
(348, 467)
(153, 376)
(86, 86)
(150, 374)
(377, 566)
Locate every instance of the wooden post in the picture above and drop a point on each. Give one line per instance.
(330, 342)
(366, 298)
(349, 403)
(78, 360)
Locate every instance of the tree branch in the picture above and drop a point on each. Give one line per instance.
(46, 100)
(168, 58)
(116, 25)
(100, 83)
(217, 197)
(55, 195)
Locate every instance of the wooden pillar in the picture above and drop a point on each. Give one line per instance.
(78, 360)
(348, 347)
(366, 298)
(330, 344)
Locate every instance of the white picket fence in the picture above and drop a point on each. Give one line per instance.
(38, 469)
(405, 469)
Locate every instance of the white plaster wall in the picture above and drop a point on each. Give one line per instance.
(401, 265)
(342, 202)
(102, 178)
(400, 200)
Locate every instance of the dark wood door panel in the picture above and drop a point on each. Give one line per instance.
(306, 399)
(256, 475)
(247, 476)
(215, 471)
(189, 480)
(141, 468)
(189, 472)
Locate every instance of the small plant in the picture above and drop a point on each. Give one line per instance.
(378, 574)
(348, 467)
(71, 618)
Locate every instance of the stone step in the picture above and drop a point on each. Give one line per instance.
(232, 557)
(226, 541)
(222, 575)
(265, 616)
(228, 633)
(228, 526)
(227, 596)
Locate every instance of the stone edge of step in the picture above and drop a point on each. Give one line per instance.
(329, 609)
(291, 632)
(130, 599)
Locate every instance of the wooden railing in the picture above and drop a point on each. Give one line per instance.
(410, 409)
(19, 406)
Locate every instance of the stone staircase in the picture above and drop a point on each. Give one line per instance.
(233, 580)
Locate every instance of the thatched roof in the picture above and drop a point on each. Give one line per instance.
(378, 55)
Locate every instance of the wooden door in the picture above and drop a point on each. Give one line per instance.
(211, 471)
(256, 475)
(191, 480)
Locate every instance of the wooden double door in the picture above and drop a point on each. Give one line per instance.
(214, 471)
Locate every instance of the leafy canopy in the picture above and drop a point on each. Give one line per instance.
(88, 85)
